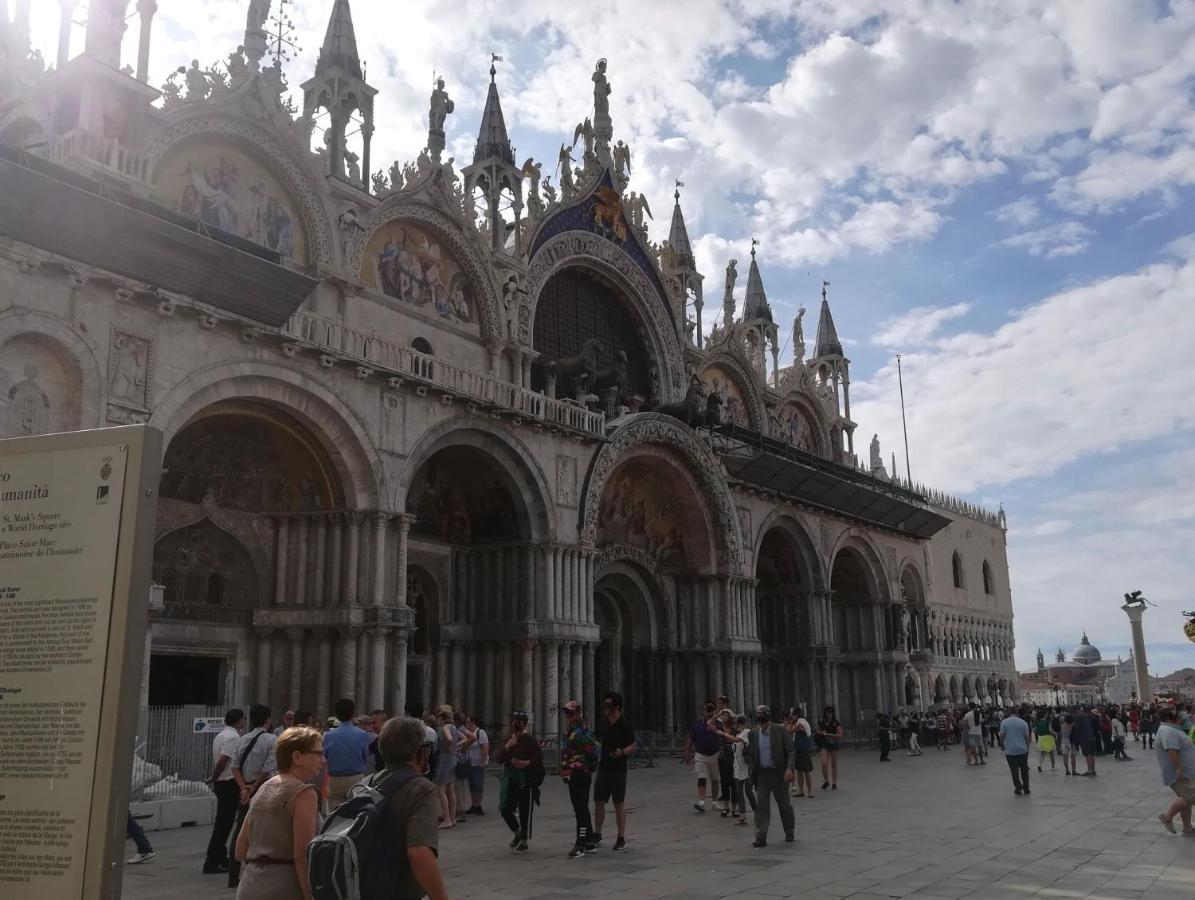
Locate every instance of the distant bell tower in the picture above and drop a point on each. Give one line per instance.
(759, 328)
(493, 170)
(833, 368)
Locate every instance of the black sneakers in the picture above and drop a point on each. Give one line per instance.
(514, 842)
(521, 846)
(576, 852)
(595, 838)
(621, 843)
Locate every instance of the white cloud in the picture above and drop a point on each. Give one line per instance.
(1020, 212)
(1058, 239)
(1053, 384)
(916, 326)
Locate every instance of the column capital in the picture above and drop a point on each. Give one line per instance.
(403, 521)
(381, 516)
(294, 634)
(351, 632)
(354, 516)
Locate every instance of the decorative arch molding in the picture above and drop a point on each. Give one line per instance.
(796, 531)
(328, 415)
(816, 415)
(25, 111)
(506, 449)
(663, 431)
(295, 173)
(909, 567)
(22, 320)
(651, 616)
(873, 563)
(748, 384)
(583, 250)
(465, 245)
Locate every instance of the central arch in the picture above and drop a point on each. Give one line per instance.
(629, 612)
(859, 625)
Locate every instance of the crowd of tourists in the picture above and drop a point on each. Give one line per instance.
(285, 793)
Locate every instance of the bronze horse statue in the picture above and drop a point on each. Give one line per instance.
(578, 370)
(691, 410)
(713, 410)
(613, 376)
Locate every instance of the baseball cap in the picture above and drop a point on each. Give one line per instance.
(571, 706)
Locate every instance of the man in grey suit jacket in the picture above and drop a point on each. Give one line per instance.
(771, 763)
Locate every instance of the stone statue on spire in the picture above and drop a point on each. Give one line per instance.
(259, 11)
(799, 336)
(601, 90)
(732, 275)
(441, 106)
(255, 33)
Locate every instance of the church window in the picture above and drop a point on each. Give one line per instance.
(957, 566)
(988, 587)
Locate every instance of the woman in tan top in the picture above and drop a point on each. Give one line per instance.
(272, 845)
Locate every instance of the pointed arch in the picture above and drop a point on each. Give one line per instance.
(744, 380)
(958, 571)
(989, 584)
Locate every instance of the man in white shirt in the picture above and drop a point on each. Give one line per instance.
(288, 720)
(253, 764)
(227, 793)
(1176, 759)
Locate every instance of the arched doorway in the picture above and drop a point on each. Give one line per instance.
(912, 688)
(625, 601)
(940, 690)
(244, 501)
(858, 629)
(785, 622)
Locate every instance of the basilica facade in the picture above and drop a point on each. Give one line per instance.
(454, 432)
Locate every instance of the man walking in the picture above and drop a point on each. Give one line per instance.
(347, 748)
(701, 749)
(1083, 734)
(1014, 734)
(771, 765)
(884, 731)
(616, 738)
(224, 786)
(1176, 759)
(253, 766)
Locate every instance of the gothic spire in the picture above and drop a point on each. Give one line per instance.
(756, 305)
(678, 236)
(340, 44)
(492, 138)
(827, 343)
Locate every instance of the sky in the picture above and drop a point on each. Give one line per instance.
(998, 191)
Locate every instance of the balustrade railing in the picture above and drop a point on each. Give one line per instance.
(108, 152)
(342, 341)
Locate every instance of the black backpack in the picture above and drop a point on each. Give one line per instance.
(354, 856)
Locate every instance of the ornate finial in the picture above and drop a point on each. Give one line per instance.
(679, 184)
(282, 44)
(825, 284)
(494, 58)
(754, 244)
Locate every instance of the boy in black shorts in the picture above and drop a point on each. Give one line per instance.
(616, 738)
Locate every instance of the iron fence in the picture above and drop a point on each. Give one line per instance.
(172, 760)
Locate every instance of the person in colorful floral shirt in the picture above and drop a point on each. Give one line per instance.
(578, 759)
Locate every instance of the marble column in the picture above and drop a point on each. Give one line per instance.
(264, 637)
(440, 683)
(577, 664)
(335, 593)
(351, 558)
(507, 651)
(300, 563)
(543, 592)
(492, 708)
(403, 525)
(458, 693)
(323, 678)
(551, 674)
(669, 691)
(378, 576)
(527, 590)
(348, 663)
(318, 593)
(294, 694)
(527, 677)
(377, 675)
(398, 681)
(280, 556)
(881, 685)
(591, 687)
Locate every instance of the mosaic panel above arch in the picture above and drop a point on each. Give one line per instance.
(736, 407)
(249, 457)
(227, 188)
(414, 265)
(794, 424)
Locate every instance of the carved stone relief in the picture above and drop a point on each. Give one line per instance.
(129, 359)
(566, 480)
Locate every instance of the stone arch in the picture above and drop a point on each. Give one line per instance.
(662, 431)
(509, 453)
(287, 162)
(747, 383)
(863, 546)
(589, 251)
(202, 564)
(954, 690)
(957, 570)
(801, 539)
(71, 349)
(23, 126)
(912, 584)
(464, 244)
(327, 415)
(778, 426)
(939, 689)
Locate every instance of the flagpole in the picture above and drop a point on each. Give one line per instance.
(904, 424)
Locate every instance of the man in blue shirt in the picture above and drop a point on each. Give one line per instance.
(347, 749)
(1176, 759)
(1014, 732)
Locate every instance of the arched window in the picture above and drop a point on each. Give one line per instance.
(421, 365)
(957, 565)
(422, 345)
(987, 579)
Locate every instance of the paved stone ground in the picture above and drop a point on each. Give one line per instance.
(916, 827)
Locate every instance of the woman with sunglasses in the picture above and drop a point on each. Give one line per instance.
(522, 760)
(281, 821)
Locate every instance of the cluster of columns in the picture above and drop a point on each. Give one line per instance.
(490, 679)
(330, 564)
(521, 583)
(991, 643)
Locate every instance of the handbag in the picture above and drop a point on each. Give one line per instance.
(463, 768)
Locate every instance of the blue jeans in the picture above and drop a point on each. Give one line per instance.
(138, 835)
(477, 780)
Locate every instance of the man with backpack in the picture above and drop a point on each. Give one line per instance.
(253, 766)
(390, 825)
